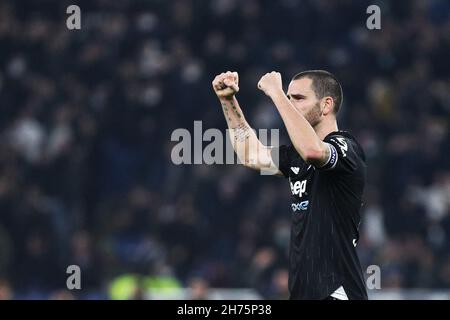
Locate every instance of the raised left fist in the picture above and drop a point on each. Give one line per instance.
(270, 83)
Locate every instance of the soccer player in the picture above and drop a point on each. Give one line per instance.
(326, 171)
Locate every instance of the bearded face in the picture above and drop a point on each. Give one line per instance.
(304, 99)
(313, 114)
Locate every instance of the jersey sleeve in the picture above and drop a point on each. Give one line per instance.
(287, 160)
(344, 155)
(280, 156)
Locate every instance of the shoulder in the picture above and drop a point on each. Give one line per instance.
(345, 142)
(346, 154)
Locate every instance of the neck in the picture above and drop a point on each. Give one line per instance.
(325, 127)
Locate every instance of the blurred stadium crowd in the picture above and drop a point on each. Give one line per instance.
(86, 118)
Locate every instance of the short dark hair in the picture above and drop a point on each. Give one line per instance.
(324, 84)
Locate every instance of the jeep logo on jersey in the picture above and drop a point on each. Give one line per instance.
(298, 188)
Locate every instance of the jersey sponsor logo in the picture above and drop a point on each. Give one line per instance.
(295, 170)
(298, 188)
(301, 206)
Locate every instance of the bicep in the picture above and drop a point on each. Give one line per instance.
(343, 156)
(323, 156)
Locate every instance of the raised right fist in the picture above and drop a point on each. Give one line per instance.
(226, 85)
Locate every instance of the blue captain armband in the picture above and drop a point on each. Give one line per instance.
(332, 159)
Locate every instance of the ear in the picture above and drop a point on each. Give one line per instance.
(327, 105)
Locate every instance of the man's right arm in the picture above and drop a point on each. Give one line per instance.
(250, 151)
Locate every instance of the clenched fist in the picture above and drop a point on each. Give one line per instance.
(226, 85)
(270, 83)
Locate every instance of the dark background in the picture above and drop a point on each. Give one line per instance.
(86, 118)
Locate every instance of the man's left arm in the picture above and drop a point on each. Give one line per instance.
(303, 137)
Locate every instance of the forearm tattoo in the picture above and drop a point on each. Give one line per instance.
(236, 112)
(225, 111)
(241, 132)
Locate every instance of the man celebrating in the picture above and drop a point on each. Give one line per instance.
(326, 171)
